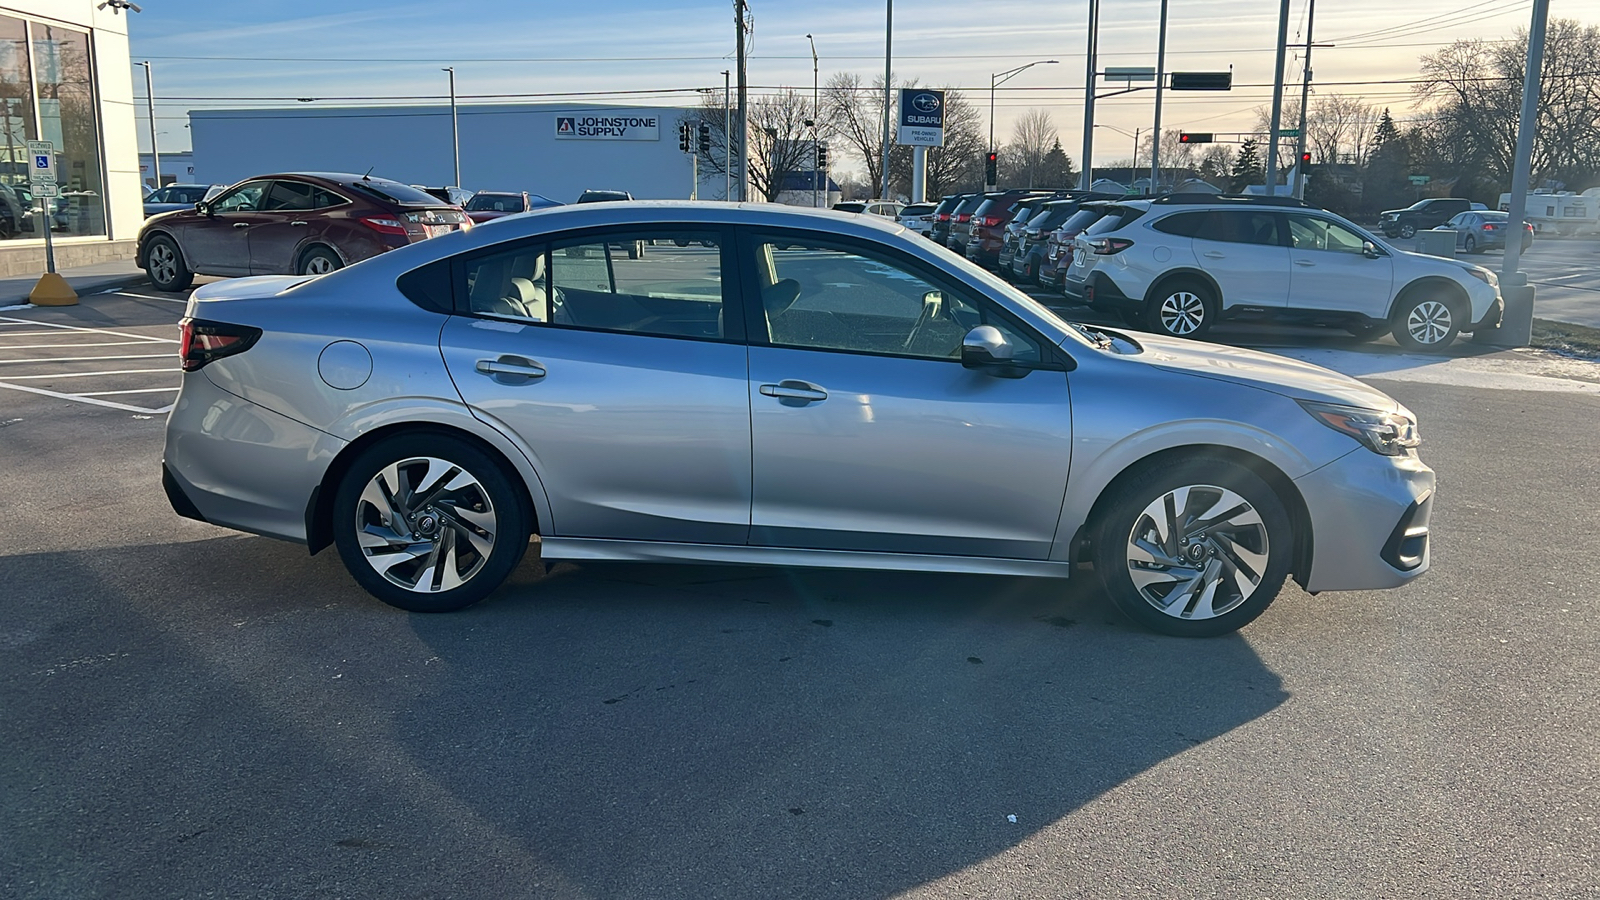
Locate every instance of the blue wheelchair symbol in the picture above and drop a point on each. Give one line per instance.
(41, 162)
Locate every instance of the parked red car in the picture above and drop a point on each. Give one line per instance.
(486, 205)
(989, 221)
(1058, 250)
(303, 223)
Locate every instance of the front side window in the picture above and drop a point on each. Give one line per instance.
(1312, 233)
(244, 198)
(823, 297)
(660, 281)
(1241, 226)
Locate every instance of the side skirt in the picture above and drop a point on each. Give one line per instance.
(728, 554)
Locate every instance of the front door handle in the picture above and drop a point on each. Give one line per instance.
(794, 390)
(1213, 254)
(241, 224)
(511, 365)
(1304, 262)
(297, 222)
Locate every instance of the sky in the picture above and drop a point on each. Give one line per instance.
(211, 54)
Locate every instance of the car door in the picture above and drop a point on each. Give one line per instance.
(218, 243)
(1245, 252)
(867, 432)
(625, 378)
(287, 219)
(1332, 270)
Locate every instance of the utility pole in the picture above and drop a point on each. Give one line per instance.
(995, 80)
(888, 92)
(1305, 100)
(1090, 77)
(455, 129)
(150, 104)
(744, 102)
(727, 139)
(1277, 98)
(1516, 325)
(1161, 75)
(816, 119)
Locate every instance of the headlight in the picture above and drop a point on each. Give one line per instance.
(1485, 276)
(1388, 433)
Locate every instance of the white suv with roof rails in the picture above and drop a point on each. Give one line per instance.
(1177, 264)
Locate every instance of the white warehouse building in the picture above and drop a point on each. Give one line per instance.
(558, 150)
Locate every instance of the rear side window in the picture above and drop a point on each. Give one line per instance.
(286, 196)
(1116, 219)
(1242, 226)
(322, 199)
(394, 192)
(1082, 219)
(1183, 224)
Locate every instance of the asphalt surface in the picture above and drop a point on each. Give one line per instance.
(191, 712)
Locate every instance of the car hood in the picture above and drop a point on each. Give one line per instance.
(1290, 377)
(1438, 260)
(1391, 212)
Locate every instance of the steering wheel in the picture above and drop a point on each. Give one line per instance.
(932, 304)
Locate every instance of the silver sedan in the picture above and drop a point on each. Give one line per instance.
(771, 386)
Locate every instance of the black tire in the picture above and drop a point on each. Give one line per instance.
(164, 263)
(318, 261)
(1223, 554)
(1470, 244)
(1183, 309)
(1408, 231)
(1427, 321)
(491, 498)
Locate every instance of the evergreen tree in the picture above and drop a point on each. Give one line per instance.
(1057, 168)
(1384, 184)
(1387, 135)
(1247, 167)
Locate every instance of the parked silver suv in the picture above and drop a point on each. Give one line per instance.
(771, 386)
(1178, 264)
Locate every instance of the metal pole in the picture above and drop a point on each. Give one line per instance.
(1516, 328)
(49, 243)
(1161, 75)
(987, 184)
(888, 91)
(1277, 98)
(150, 104)
(1305, 100)
(1135, 167)
(744, 105)
(816, 119)
(1087, 178)
(919, 174)
(694, 176)
(727, 139)
(455, 130)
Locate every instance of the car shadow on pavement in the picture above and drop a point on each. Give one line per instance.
(260, 726)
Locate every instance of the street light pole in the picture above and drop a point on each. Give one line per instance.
(995, 80)
(744, 102)
(888, 91)
(816, 119)
(1277, 99)
(1161, 75)
(455, 130)
(150, 104)
(1305, 100)
(727, 138)
(1516, 327)
(1087, 178)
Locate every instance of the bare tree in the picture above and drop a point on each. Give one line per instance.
(1031, 139)
(780, 140)
(854, 114)
(956, 165)
(1216, 164)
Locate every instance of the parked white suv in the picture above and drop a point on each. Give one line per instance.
(1177, 264)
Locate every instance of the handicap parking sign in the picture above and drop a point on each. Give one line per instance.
(41, 162)
(43, 170)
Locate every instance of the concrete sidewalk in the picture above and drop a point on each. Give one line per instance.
(85, 280)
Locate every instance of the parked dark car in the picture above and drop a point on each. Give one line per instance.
(943, 215)
(452, 195)
(489, 205)
(592, 196)
(1021, 214)
(1478, 230)
(301, 223)
(988, 221)
(1405, 223)
(961, 221)
(1060, 243)
(1034, 237)
(174, 196)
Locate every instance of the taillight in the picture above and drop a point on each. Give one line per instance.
(1110, 246)
(1488, 227)
(963, 217)
(944, 217)
(384, 225)
(202, 341)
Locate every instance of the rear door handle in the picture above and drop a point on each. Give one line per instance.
(511, 365)
(794, 390)
(299, 223)
(1213, 254)
(241, 224)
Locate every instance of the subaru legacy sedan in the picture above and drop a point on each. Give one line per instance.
(771, 386)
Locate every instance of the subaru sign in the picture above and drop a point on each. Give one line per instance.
(921, 117)
(608, 128)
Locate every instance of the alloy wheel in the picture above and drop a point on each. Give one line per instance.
(1197, 552)
(319, 265)
(1429, 322)
(163, 263)
(425, 524)
(1182, 313)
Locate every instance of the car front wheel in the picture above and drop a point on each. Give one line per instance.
(1408, 231)
(1426, 322)
(1196, 549)
(428, 523)
(164, 261)
(1183, 309)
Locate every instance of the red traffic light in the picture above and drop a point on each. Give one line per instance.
(1305, 157)
(992, 157)
(1195, 137)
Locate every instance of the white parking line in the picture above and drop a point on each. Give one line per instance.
(69, 346)
(143, 337)
(51, 359)
(148, 297)
(138, 391)
(90, 400)
(91, 374)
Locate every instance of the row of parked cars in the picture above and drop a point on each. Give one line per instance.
(1178, 264)
(307, 223)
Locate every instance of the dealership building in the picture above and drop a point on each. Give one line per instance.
(558, 150)
(65, 78)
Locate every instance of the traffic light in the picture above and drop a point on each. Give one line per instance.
(705, 139)
(991, 167)
(683, 136)
(822, 157)
(1305, 158)
(1195, 137)
(1201, 81)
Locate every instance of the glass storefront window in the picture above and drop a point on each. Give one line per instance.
(65, 92)
(17, 127)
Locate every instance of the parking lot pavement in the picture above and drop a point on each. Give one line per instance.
(117, 369)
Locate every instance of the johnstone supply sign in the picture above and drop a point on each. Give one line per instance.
(921, 117)
(608, 128)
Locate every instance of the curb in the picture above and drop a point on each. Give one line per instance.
(84, 286)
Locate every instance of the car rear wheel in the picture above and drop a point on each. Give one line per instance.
(319, 261)
(1408, 231)
(1470, 245)
(428, 523)
(164, 262)
(1426, 322)
(1183, 309)
(1193, 550)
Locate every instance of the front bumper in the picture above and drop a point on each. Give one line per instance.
(1369, 521)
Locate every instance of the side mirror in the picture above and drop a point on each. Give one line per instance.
(1369, 250)
(203, 208)
(986, 348)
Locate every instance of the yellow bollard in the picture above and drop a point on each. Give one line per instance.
(53, 290)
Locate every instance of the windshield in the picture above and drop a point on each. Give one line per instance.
(394, 192)
(495, 203)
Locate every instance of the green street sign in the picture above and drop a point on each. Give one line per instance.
(1419, 179)
(1288, 132)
